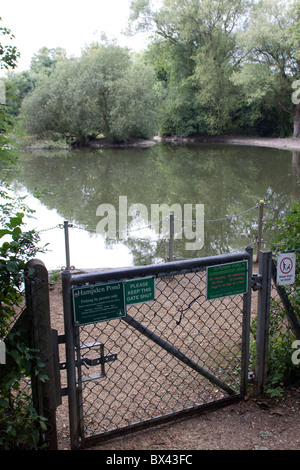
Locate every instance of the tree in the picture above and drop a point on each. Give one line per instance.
(8, 59)
(45, 60)
(195, 55)
(17, 86)
(101, 93)
(57, 105)
(135, 98)
(271, 62)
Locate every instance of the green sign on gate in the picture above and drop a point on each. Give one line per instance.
(99, 302)
(139, 290)
(227, 279)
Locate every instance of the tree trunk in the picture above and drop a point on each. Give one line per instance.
(297, 121)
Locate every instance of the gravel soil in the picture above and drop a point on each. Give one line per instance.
(252, 424)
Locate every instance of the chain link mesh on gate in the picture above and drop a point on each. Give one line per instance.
(146, 381)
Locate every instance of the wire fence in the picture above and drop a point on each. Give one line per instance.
(149, 225)
(139, 230)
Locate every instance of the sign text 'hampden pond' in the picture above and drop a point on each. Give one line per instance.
(107, 301)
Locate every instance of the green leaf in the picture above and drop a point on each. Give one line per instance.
(4, 403)
(15, 221)
(4, 232)
(12, 266)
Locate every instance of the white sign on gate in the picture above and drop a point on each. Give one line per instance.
(286, 266)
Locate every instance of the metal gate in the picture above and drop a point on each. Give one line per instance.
(172, 355)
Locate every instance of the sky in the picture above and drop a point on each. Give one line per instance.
(70, 24)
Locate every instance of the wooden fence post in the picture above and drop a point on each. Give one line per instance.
(38, 307)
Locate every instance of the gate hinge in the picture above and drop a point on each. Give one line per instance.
(99, 360)
(256, 282)
(82, 361)
(102, 360)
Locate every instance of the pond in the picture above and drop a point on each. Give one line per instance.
(213, 191)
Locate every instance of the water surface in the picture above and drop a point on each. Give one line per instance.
(226, 179)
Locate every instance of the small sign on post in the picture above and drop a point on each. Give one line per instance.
(286, 267)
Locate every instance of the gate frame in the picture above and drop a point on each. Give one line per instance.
(47, 397)
(263, 320)
(171, 268)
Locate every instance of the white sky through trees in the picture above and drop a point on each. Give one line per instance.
(70, 24)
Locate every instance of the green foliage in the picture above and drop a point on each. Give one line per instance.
(269, 64)
(194, 57)
(45, 60)
(18, 85)
(220, 67)
(137, 93)
(102, 93)
(8, 154)
(19, 423)
(15, 251)
(8, 53)
(240, 59)
(281, 370)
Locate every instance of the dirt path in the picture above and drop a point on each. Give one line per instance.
(287, 143)
(284, 143)
(260, 424)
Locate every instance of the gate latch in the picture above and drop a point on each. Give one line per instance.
(256, 283)
(101, 360)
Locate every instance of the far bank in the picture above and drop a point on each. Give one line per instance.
(285, 143)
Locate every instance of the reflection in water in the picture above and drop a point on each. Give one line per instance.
(227, 180)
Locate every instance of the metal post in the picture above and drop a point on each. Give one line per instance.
(70, 337)
(67, 245)
(260, 223)
(171, 240)
(246, 327)
(263, 318)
